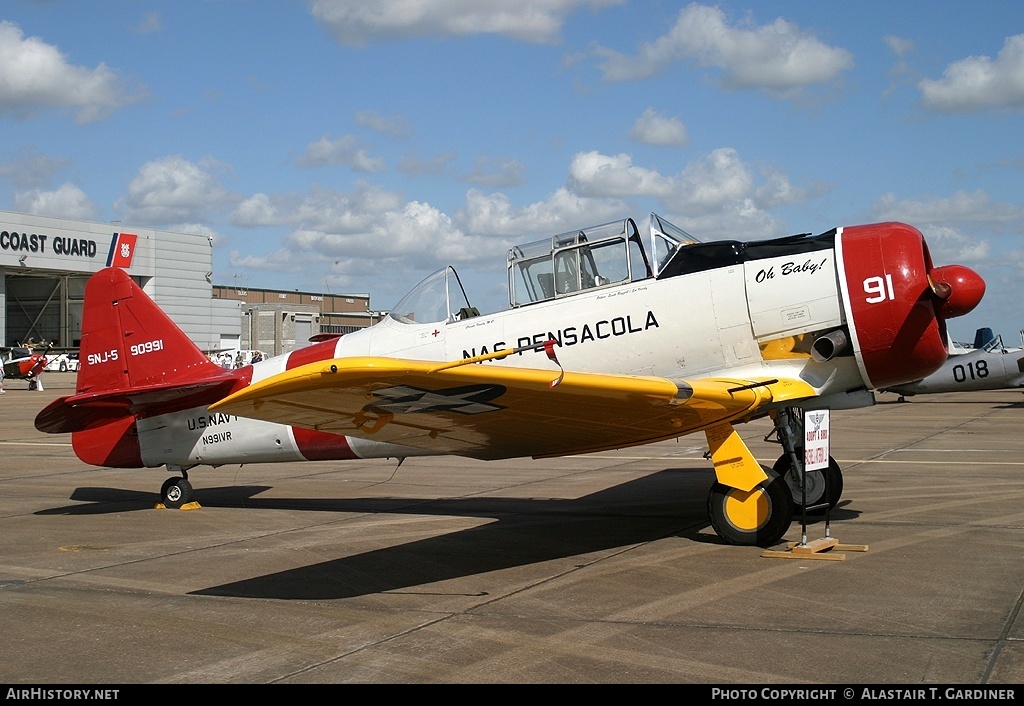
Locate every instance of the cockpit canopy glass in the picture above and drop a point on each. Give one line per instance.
(438, 298)
(666, 238)
(571, 262)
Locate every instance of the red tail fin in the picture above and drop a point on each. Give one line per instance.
(128, 342)
(134, 362)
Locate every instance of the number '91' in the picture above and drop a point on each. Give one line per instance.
(879, 289)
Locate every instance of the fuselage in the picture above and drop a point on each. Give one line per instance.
(844, 312)
(739, 320)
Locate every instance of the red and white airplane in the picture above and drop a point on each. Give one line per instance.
(25, 362)
(606, 344)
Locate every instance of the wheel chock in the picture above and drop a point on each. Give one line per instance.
(187, 506)
(820, 549)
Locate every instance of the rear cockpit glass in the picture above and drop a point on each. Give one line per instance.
(572, 262)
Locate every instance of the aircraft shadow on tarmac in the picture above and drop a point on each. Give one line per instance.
(523, 531)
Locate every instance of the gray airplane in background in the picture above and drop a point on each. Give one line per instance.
(988, 366)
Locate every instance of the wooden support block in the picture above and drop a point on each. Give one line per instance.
(817, 549)
(815, 546)
(820, 556)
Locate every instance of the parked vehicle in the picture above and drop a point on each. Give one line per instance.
(62, 362)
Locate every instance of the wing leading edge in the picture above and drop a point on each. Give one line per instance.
(491, 412)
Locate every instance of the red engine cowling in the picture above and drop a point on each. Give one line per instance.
(896, 302)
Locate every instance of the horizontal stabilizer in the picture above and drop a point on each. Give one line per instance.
(91, 409)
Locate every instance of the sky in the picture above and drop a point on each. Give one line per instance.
(345, 146)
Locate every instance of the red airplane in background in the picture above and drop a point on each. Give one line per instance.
(24, 363)
(607, 343)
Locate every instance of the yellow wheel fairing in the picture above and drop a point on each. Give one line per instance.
(747, 511)
(752, 517)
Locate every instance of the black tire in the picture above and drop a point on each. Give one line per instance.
(63, 366)
(175, 492)
(758, 518)
(819, 483)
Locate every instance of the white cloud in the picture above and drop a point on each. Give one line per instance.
(372, 229)
(494, 214)
(257, 210)
(347, 150)
(414, 236)
(946, 244)
(598, 175)
(978, 82)
(150, 24)
(35, 76)
(717, 195)
(975, 208)
(414, 165)
(497, 173)
(777, 190)
(322, 209)
(778, 56)
(67, 201)
(710, 183)
(740, 219)
(30, 168)
(357, 22)
(654, 128)
(956, 226)
(900, 46)
(173, 189)
(397, 125)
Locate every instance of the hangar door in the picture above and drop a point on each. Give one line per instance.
(45, 307)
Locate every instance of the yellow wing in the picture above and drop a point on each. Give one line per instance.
(489, 412)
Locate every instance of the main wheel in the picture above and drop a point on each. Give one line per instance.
(175, 492)
(63, 366)
(759, 517)
(819, 482)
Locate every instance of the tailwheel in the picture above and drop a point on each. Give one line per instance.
(175, 492)
(821, 484)
(759, 517)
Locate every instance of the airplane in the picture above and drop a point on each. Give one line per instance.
(990, 366)
(24, 362)
(605, 344)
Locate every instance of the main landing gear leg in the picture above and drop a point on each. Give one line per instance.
(176, 490)
(818, 490)
(749, 504)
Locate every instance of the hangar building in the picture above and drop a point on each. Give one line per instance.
(46, 261)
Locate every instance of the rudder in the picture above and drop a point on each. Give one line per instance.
(129, 342)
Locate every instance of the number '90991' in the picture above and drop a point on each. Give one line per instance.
(147, 347)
